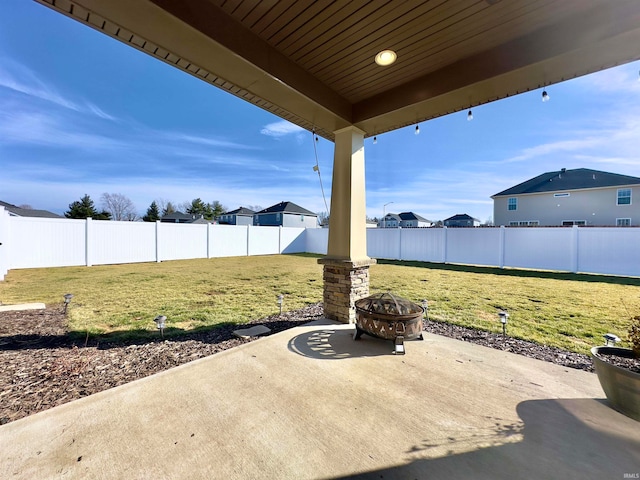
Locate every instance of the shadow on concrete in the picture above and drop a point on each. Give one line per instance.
(563, 438)
(336, 344)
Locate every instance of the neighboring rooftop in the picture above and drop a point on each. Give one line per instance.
(240, 211)
(576, 179)
(412, 216)
(28, 212)
(460, 216)
(287, 207)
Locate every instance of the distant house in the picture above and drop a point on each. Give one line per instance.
(570, 197)
(390, 220)
(461, 220)
(239, 216)
(413, 220)
(286, 214)
(27, 212)
(179, 217)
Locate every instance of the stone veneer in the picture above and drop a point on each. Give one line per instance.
(344, 282)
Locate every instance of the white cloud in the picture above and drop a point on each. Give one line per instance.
(281, 129)
(18, 78)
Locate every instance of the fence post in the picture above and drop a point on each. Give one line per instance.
(158, 241)
(444, 244)
(4, 242)
(279, 239)
(501, 246)
(574, 248)
(87, 241)
(399, 243)
(248, 238)
(208, 239)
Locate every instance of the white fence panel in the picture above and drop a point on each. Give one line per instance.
(539, 248)
(613, 251)
(46, 242)
(292, 239)
(122, 242)
(383, 243)
(473, 246)
(178, 241)
(316, 240)
(228, 241)
(264, 240)
(422, 244)
(4, 242)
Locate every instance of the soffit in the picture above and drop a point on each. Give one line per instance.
(312, 62)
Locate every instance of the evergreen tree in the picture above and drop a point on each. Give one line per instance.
(198, 207)
(85, 208)
(153, 213)
(169, 208)
(217, 209)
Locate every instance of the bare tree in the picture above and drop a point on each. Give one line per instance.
(165, 206)
(26, 206)
(119, 206)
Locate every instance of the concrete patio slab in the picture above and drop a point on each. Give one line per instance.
(22, 306)
(311, 403)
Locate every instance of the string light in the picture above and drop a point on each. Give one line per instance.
(545, 96)
(417, 129)
(469, 116)
(375, 140)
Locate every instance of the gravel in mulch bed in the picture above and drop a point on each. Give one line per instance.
(41, 366)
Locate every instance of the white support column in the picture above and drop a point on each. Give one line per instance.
(346, 266)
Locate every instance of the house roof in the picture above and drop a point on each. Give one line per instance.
(240, 211)
(312, 63)
(28, 212)
(395, 216)
(177, 216)
(412, 216)
(461, 216)
(563, 180)
(287, 207)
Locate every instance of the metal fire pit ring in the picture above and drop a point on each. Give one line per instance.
(389, 317)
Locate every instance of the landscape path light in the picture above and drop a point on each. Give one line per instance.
(280, 300)
(425, 306)
(610, 339)
(160, 323)
(503, 319)
(67, 300)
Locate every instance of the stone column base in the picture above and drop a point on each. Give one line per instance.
(345, 282)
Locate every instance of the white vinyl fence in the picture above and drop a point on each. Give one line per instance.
(609, 251)
(44, 242)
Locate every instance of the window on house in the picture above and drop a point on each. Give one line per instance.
(277, 217)
(513, 224)
(624, 196)
(569, 223)
(513, 204)
(302, 218)
(623, 222)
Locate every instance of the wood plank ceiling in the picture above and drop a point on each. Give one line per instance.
(312, 62)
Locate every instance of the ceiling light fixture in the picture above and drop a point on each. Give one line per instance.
(386, 57)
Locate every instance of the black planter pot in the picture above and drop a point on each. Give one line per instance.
(621, 386)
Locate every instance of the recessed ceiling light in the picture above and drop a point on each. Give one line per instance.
(386, 57)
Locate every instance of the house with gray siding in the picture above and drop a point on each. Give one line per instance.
(239, 216)
(570, 197)
(461, 220)
(390, 220)
(286, 214)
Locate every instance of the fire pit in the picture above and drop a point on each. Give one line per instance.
(388, 317)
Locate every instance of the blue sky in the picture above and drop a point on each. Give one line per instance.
(82, 113)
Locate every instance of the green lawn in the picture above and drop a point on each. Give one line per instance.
(568, 311)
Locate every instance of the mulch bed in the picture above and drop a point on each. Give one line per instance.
(41, 366)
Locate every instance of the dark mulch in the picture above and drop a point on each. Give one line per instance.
(41, 366)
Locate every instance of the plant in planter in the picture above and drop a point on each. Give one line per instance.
(618, 370)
